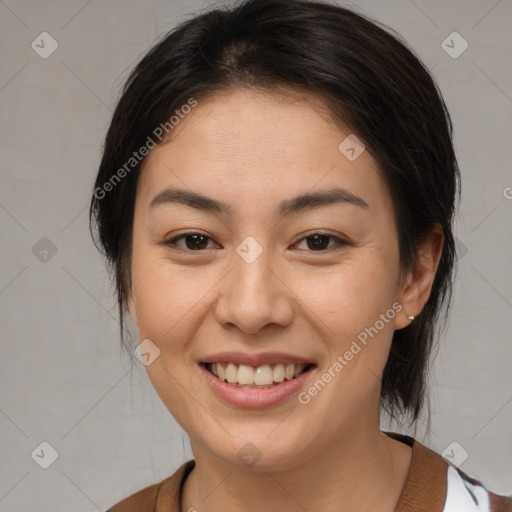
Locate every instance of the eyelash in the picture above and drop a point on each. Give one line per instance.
(171, 242)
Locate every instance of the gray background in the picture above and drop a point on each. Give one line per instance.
(63, 377)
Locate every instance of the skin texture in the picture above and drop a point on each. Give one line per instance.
(253, 150)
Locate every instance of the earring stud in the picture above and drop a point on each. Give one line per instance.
(410, 317)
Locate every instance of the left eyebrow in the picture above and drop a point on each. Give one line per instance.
(300, 203)
(313, 200)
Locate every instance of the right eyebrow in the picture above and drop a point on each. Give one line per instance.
(192, 199)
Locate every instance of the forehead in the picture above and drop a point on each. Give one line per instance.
(277, 125)
(259, 145)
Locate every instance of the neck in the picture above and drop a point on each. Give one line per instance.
(363, 469)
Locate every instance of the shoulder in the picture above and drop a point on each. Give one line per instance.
(436, 485)
(142, 501)
(462, 490)
(164, 494)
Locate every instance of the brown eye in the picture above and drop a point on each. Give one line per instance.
(193, 241)
(317, 242)
(320, 242)
(197, 242)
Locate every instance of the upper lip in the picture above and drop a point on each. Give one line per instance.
(255, 360)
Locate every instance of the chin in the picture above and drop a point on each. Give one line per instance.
(257, 451)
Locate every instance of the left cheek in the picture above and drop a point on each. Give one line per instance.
(352, 294)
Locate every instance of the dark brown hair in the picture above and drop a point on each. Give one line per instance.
(371, 81)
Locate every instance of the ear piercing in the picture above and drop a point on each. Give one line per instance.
(410, 317)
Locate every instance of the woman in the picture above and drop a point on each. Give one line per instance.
(276, 199)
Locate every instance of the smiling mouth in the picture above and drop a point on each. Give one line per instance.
(261, 377)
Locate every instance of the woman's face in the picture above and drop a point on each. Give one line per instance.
(253, 284)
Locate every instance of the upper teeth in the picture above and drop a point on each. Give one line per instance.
(261, 376)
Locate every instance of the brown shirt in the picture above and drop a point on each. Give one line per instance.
(432, 485)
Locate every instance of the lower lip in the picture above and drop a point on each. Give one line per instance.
(253, 397)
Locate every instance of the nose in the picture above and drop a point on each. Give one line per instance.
(254, 295)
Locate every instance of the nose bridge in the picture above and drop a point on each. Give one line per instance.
(252, 264)
(252, 295)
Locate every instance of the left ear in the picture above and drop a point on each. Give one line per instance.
(419, 280)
